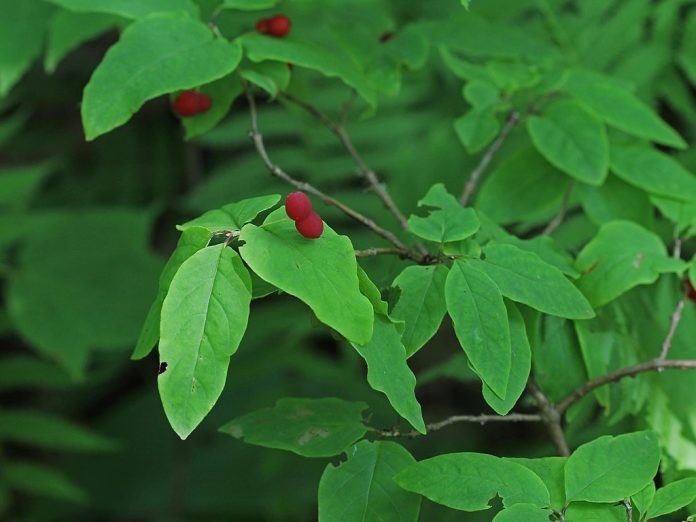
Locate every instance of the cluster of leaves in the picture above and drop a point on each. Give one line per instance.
(553, 265)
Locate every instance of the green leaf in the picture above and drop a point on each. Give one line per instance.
(272, 77)
(308, 427)
(370, 290)
(42, 481)
(129, 8)
(190, 242)
(330, 62)
(548, 250)
(233, 216)
(388, 372)
(19, 184)
(480, 321)
(249, 5)
(551, 471)
(520, 364)
(204, 317)
(572, 140)
(620, 108)
(321, 272)
(449, 222)
(523, 277)
(621, 256)
(467, 481)
(103, 292)
(507, 197)
(155, 56)
(642, 500)
(222, 94)
(27, 372)
(34, 428)
(586, 512)
(363, 489)
(68, 30)
(22, 27)
(421, 304)
(609, 469)
(616, 200)
(526, 512)
(477, 128)
(653, 171)
(672, 497)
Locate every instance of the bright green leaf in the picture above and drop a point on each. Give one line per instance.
(320, 272)
(363, 489)
(520, 365)
(621, 256)
(526, 512)
(448, 222)
(642, 500)
(233, 216)
(523, 277)
(672, 497)
(249, 5)
(609, 469)
(204, 316)
(653, 171)
(129, 8)
(572, 140)
(421, 303)
(155, 56)
(308, 427)
(190, 242)
(551, 471)
(388, 372)
(467, 481)
(480, 321)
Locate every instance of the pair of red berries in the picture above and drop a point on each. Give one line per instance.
(298, 207)
(278, 26)
(191, 103)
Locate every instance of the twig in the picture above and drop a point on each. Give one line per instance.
(676, 318)
(629, 509)
(370, 252)
(551, 416)
(274, 169)
(473, 181)
(558, 219)
(480, 419)
(363, 169)
(617, 375)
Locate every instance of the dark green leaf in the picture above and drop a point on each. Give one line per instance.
(308, 427)
(362, 488)
(450, 222)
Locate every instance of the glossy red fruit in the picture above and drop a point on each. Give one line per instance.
(186, 104)
(278, 26)
(204, 103)
(310, 227)
(262, 26)
(297, 205)
(690, 290)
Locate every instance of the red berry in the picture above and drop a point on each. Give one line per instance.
(204, 103)
(310, 227)
(278, 26)
(186, 104)
(297, 205)
(262, 26)
(386, 37)
(690, 290)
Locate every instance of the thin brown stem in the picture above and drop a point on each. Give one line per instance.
(478, 419)
(275, 170)
(364, 170)
(371, 252)
(617, 375)
(487, 157)
(558, 219)
(551, 417)
(674, 323)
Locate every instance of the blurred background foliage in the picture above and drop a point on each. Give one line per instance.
(82, 432)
